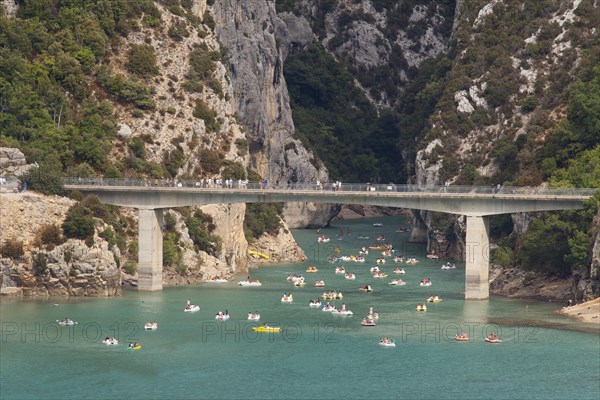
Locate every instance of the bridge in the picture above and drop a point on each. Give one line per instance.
(151, 197)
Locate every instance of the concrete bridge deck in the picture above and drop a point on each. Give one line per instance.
(476, 203)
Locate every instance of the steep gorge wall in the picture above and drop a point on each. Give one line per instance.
(258, 40)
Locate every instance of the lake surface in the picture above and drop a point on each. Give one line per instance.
(318, 355)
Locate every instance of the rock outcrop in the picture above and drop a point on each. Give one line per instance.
(71, 269)
(516, 282)
(9, 8)
(13, 162)
(280, 248)
(22, 214)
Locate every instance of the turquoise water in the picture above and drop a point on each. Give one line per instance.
(318, 355)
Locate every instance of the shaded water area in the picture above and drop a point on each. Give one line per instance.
(318, 355)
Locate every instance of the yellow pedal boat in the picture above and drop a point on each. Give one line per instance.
(263, 328)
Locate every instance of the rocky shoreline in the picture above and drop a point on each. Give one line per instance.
(588, 312)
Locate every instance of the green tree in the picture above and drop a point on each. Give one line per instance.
(79, 223)
(142, 61)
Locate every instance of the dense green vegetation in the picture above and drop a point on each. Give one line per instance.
(335, 119)
(48, 56)
(200, 228)
(261, 218)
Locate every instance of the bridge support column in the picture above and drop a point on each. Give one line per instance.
(150, 250)
(477, 285)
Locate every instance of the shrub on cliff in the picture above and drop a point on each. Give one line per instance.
(261, 218)
(142, 61)
(45, 179)
(12, 248)
(39, 263)
(200, 228)
(48, 236)
(79, 223)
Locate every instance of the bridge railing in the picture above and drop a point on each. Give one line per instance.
(345, 187)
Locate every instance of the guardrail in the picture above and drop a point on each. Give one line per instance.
(147, 184)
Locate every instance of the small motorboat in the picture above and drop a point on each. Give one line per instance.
(398, 259)
(359, 259)
(377, 224)
(110, 341)
(191, 308)
(319, 283)
(323, 239)
(151, 326)
(340, 270)
(222, 316)
(266, 328)
(434, 299)
(299, 283)
(367, 322)
(387, 342)
(397, 282)
(421, 307)
(412, 261)
(377, 246)
(449, 266)
(312, 268)
(380, 274)
(433, 256)
(287, 298)
(399, 271)
(374, 269)
(350, 276)
(314, 303)
(216, 280)
(401, 229)
(380, 261)
(66, 322)
(461, 337)
(253, 316)
(425, 282)
(363, 237)
(343, 258)
(250, 283)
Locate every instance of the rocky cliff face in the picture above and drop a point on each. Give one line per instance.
(9, 8)
(383, 42)
(12, 162)
(70, 269)
(504, 95)
(258, 41)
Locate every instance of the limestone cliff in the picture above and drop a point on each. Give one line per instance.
(69, 269)
(279, 248)
(258, 41)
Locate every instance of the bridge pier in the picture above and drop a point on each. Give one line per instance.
(150, 250)
(477, 260)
